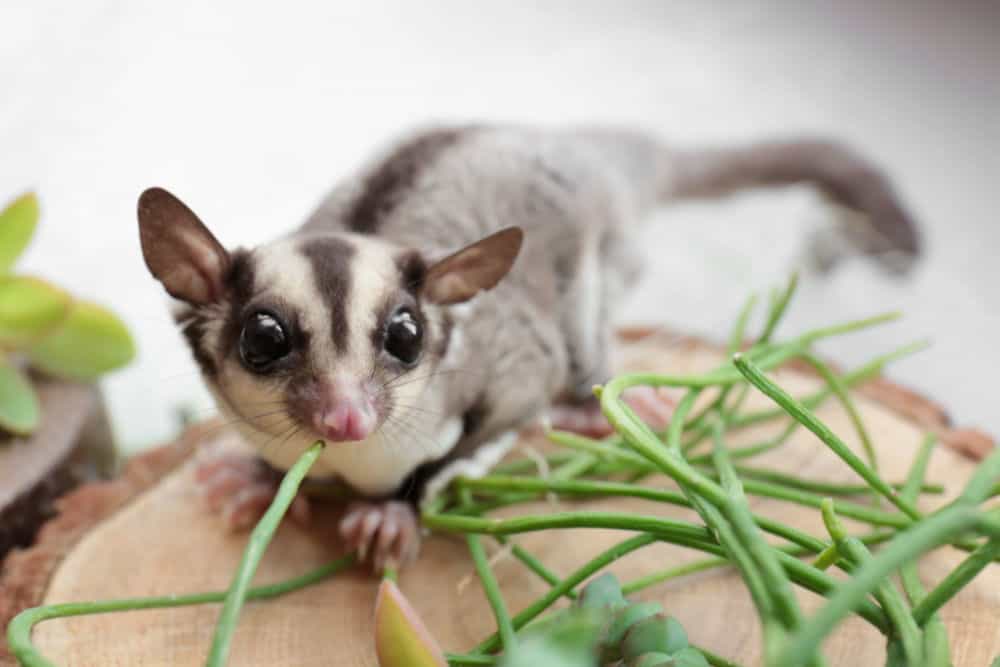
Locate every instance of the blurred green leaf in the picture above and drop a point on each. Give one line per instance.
(621, 622)
(17, 225)
(401, 639)
(570, 642)
(604, 591)
(29, 309)
(91, 341)
(19, 409)
(659, 633)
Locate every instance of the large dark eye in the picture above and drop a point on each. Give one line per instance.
(263, 341)
(403, 336)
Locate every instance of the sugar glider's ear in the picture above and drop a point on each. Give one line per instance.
(179, 250)
(480, 266)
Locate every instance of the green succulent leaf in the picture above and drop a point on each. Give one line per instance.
(90, 341)
(17, 225)
(30, 308)
(657, 633)
(570, 642)
(401, 638)
(19, 409)
(622, 621)
(604, 591)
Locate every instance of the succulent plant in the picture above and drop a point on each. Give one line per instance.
(43, 327)
(604, 628)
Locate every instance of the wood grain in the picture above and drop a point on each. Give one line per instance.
(164, 542)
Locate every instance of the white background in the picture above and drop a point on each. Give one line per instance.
(250, 112)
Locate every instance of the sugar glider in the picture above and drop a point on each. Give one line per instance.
(460, 284)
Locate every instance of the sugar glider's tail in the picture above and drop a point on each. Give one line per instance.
(884, 229)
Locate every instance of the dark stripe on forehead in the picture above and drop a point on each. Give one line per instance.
(239, 290)
(386, 186)
(330, 258)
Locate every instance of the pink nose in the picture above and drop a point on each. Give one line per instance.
(346, 421)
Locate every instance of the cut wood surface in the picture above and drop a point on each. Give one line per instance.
(165, 542)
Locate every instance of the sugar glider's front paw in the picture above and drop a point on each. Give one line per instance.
(240, 488)
(388, 530)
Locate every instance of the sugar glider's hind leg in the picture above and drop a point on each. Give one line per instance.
(609, 265)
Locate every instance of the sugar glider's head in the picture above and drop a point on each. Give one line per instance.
(321, 336)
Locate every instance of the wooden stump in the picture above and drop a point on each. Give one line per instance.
(144, 535)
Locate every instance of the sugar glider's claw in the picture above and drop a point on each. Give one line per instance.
(388, 531)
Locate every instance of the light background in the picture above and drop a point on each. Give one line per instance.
(251, 111)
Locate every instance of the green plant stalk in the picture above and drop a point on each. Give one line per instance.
(849, 379)
(816, 486)
(753, 487)
(937, 652)
(599, 562)
(955, 580)
(823, 432)
(779, 305)
(533, 564)
(259, 539)
(508, 638)
(980, 484)
(840, 391)
(742, 519)
(740, 556)
(19, 630)
(928, 534)
(642, 583)
(469, 659)
(662, 527)
(906, 630)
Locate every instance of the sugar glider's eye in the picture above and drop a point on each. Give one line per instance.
(403, 336)
(263, 341)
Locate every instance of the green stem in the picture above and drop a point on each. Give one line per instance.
(956, 580)
(737, 510)
(823, 432)
(19, 630)
(469, 659)
(259, 539)
(937, 652)
(661, 526)
(892, 602)
(641, 583)
(508, 638)
(533, 564)
(840, 391)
